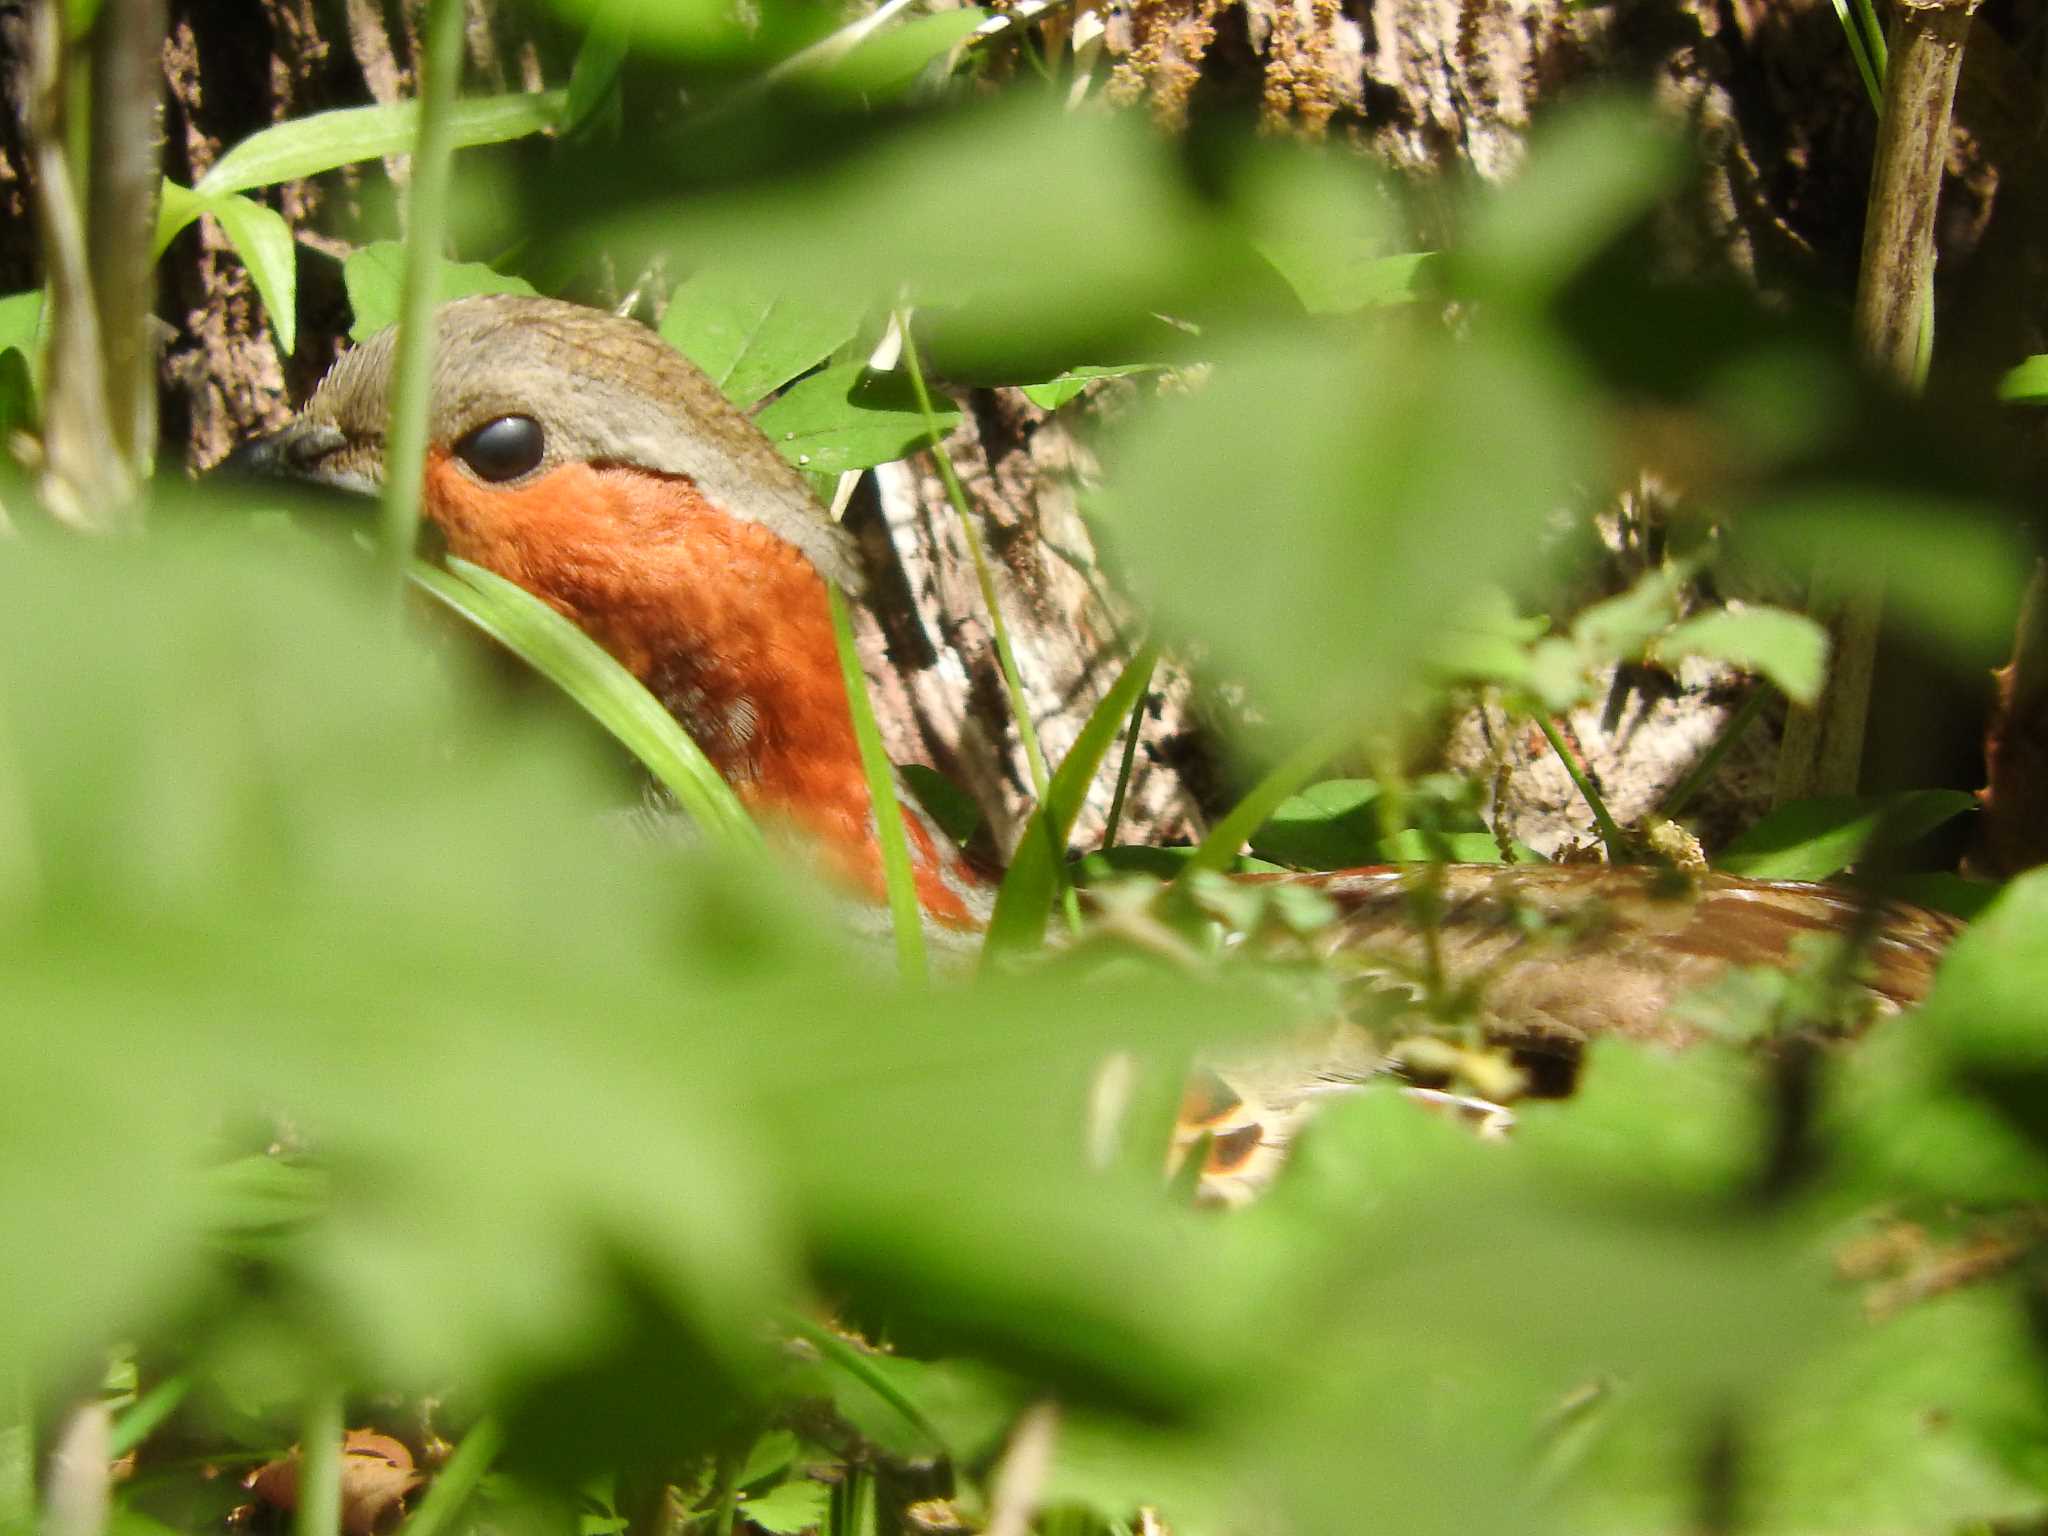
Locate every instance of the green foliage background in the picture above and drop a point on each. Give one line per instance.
(358, 1051)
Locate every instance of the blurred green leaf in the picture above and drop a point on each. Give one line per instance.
(598, 61)
(263, 240)
(1788, 648)
(1334, 282)
(891, 60)
(306, 146)
(1322, 511)
(375, 278)
(848, 417)
(749, 337)
(21, 321)
(2026, 383)
(1592, 170)
(1813, 839)
(1951, 569)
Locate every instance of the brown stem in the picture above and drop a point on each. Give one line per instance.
(2012, 835)
(1823, 747)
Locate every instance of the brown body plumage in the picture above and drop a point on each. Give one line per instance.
(642, 505)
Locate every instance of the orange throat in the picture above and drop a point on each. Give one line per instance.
(727, 624)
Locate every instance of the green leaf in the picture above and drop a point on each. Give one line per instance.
(1619, 627)
(598, 61)
(17, 394)
(890, 61)
(1592, 170)
(1813, 839)
(943, 800)
(750, 336)
(614, 697)
(1025, 898)
(1335, 281)
(21, 321)
(1324, 509)
(306, 146)
(1788, 648)
(848, 417)
(906, 912)
(2027, 383)
(788, 1508)
(263, 240)
(1062, 387)
(375, 278)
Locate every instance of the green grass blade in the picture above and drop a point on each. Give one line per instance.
(906, 916)
(318, 1511)
(1036, 875)
(984, 575)
(1252, 812)
(581, 668)
(454, 1483)
(426, 204)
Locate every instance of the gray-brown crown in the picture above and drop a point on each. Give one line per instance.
(604, 390)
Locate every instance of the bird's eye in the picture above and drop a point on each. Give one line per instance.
(504, 448)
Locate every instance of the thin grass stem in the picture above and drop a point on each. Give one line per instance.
(426, 204)
(318, 1511)
(984, 575)
(1610, 832)
(1732, 732)
(1128, 761)
(1252, 812)
(906, 915)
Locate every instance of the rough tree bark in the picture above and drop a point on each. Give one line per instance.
(1434, 88)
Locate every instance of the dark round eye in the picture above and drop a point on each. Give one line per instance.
(503, 449)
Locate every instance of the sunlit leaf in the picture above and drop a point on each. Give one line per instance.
(1788, 648)
(751, 337)
(375, 277)
(1813, 839)
(848, 417)
(306, 146)
(263, 240)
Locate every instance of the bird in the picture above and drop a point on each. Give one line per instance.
(579, 455)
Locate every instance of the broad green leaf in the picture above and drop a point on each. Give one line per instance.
(598, 61)
(375, 278)
(1322, 511)
(1952, 569)
(751, 337)
(306, 146)
(788, 1508)
(263, 240)
(847, 417)
(1341, 282)
(2026, 383)
(1025, 898)
(1068, 384)
(613, 696)
(21, 321)
(1617, 628)
(890, 61)
(1788, 648)
(1592, 170)
(944, 801)
(1813, 839)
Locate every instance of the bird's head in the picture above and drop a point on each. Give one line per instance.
(582, 457)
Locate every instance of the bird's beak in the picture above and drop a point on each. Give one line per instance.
(306, 452)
